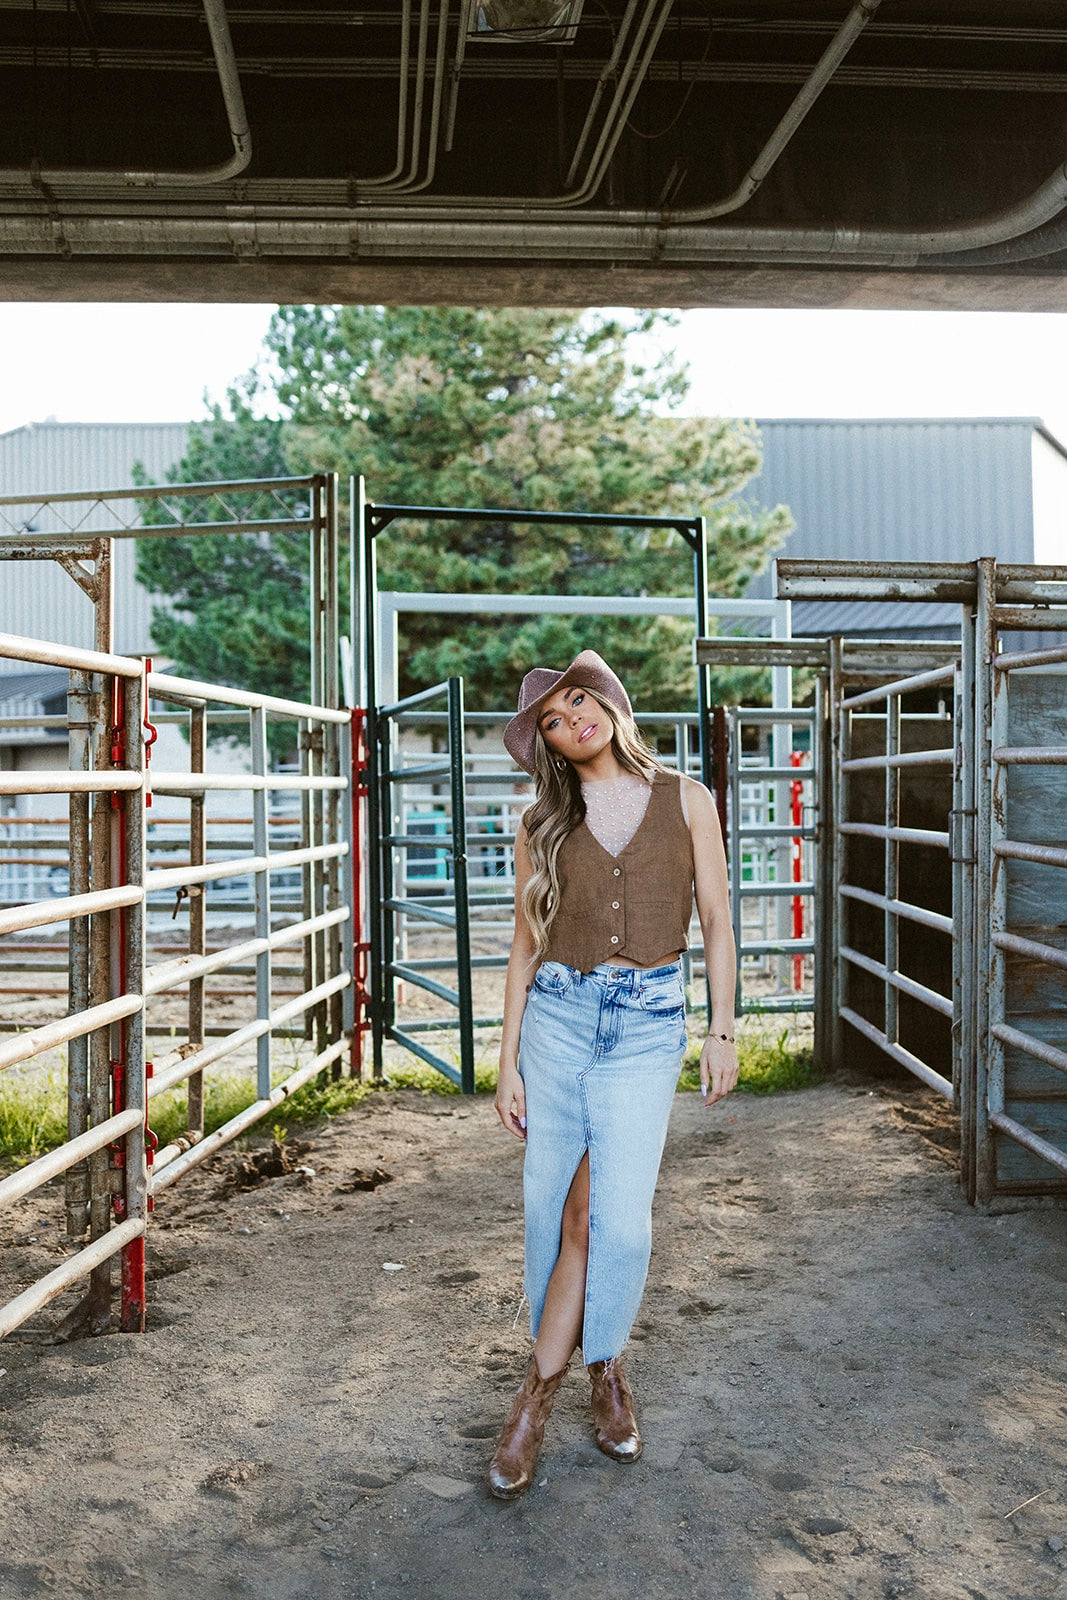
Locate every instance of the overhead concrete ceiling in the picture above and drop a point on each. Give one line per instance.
(660, 152)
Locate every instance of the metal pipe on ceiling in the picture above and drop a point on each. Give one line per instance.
(845, 37)
(240, 136)
(419, 175)
(610, 68)
(642, 48)
(415, 184)
(346, 234)
(387, 178)
(622, 104)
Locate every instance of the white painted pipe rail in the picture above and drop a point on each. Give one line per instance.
(174, 877)
(180, 783)
(170, 974)
(899, 908)
(907, 758)
(31, 1300)
(34, 1040)
(176, 1067)
(47, 654)
(45, 1168)
(170, 1167)
(42, 912)
(162, 684)
(105, 781)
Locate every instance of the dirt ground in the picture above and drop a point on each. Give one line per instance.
(851, 1384)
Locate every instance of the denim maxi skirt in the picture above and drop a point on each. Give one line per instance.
(599, 1055)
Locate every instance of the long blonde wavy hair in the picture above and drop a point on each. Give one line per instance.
(558, 808)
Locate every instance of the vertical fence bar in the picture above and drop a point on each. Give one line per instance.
(350, 931)
(721, 766)
(891, 926)
(356, 925)
(387, 881)
(838, 909)
(986, 1043)
(964, 973)
(99, 1297)
(307, 839)
(331, 801)
(456, 757)
(823, 899)
(197, 920)
(700, 590)
(79, 737)
(378, 985)
(134, 1086)
(261, 889)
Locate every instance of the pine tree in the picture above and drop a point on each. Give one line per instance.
(544, 410)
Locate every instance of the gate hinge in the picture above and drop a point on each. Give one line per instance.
(961, 832)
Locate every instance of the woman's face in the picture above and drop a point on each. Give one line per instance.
(574, 725)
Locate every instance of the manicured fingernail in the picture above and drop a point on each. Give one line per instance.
(522, 1122)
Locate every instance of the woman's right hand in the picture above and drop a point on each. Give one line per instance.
(510, 1101)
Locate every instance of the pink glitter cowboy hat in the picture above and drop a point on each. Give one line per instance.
(587, 671)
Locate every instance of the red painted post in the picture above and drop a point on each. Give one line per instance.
(796, 790)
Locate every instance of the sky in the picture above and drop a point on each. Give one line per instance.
(126, 363)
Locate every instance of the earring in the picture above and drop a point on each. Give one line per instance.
(561, 765)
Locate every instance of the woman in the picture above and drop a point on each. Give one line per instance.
(606, 861)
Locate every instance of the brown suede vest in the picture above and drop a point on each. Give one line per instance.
(637, 904)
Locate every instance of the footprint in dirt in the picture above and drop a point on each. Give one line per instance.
(479, 1430)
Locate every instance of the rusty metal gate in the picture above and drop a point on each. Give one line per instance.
(945, 917)
(1020, 953)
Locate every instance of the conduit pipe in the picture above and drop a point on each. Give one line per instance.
(388, 178)
(351, 235)
(642, 48)
(229, 82)
(828, 63)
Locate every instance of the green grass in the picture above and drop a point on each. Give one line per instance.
(772, 1060)
(33, 1115)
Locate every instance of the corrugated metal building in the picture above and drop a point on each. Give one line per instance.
(903, 489)
(900, 489)
(38, 599)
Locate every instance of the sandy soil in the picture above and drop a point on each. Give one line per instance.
(850, 1382)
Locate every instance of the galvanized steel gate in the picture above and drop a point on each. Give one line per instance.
(944, 931)
(120, 867)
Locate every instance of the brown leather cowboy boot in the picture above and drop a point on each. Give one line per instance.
(616, 1428)
(512, 1467)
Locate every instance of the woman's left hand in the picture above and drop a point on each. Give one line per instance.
(718, 1068)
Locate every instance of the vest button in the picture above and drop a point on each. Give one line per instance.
(614, 938)
(617, 872)
(614, 905)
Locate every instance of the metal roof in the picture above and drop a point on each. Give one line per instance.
(898, 489)
(38, 599)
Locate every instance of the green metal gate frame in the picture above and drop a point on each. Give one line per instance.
(371, 521)
(389, 780)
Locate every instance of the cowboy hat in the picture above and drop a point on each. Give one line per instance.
(587, 670)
